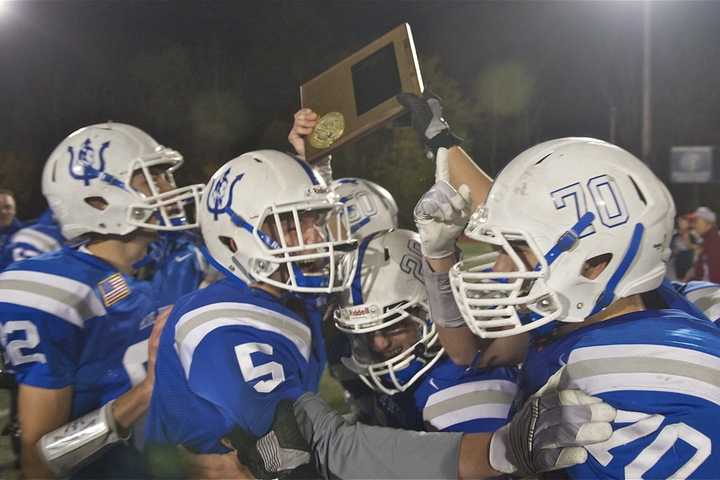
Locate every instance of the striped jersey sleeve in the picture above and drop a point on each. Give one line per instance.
(666, 393)
(42, 317)
(243, 359)
(30, 242)
(475, 402)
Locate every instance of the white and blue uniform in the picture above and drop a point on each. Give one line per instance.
(703, 295)
(451, 398)
(227, 356)
(661, 370)
(177, 265)
(41, 237)
(69, 319)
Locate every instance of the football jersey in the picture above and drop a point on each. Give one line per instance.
(704, 295)
(69, 318)
(177, 266)
(41, 237)
(451, 398)
(661, 370)
(227, 356)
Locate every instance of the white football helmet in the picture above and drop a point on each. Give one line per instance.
(569, 201)
(371, 207)
(97, 163)
(249, 211)
(387, 294)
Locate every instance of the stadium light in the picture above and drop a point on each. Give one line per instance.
(4, 6)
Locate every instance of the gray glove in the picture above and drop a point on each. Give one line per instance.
(427, 120)
(550, 432)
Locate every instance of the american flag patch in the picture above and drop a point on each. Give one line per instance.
(113, 289)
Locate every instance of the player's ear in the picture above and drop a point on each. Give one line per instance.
(596, 265)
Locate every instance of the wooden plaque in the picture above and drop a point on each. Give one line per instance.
(361, 89)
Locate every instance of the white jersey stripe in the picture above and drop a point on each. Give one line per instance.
(481, 385)
(43, 303)
(39, 240)
(647, 382)
(473, 412)
(196, 324)
(68, 299)
(609, 368)
(657, 352)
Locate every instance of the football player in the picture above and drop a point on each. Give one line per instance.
(582, 231)
(76, 325)
(396, 352)
(244, 357)
(42, 236)
(234, 349)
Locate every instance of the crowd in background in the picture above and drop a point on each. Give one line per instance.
(696, 247)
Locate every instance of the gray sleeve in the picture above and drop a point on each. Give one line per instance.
(351, 451)
(443, 309)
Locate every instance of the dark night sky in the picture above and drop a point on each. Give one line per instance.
(216, 78)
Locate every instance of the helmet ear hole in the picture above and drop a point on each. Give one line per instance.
(98, 203)
(594, 266)
(229, 243)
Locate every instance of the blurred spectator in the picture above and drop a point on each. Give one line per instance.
(8, 223)
(684, 244)
(707, 264)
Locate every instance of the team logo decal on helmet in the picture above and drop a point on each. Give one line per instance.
(222, 190)
(87, 165)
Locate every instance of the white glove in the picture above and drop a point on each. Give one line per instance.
(550, 432)
(441, 215)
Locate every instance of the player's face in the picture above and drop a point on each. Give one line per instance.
(504, 263)
(163, 182)
(311, 229)
(160, 177)
(7, 210)
(394, 340)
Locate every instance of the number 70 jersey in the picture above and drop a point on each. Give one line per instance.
(68, 318)
(661, 370)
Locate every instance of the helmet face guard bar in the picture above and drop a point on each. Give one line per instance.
(389, 375)
(323, 266)
(163, 211)
(500, 303)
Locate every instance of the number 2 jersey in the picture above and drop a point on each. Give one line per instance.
(69, 318)
(227, 356)
(661, 370)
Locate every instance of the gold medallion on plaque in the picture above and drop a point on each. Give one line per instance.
(329, 128)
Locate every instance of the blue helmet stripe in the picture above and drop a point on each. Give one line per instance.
(307, 169)
(356, 287)
(608, 295)
(357, 226)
